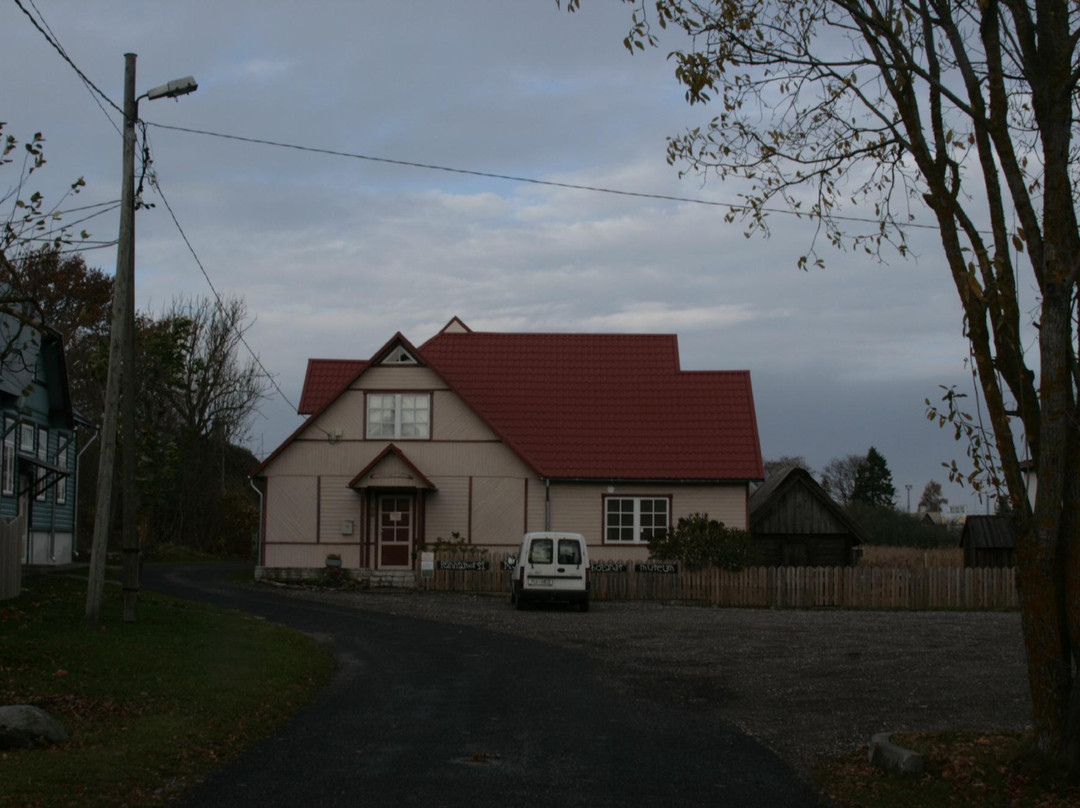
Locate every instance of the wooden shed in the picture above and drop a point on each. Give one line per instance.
(988, 541)
(794, 522)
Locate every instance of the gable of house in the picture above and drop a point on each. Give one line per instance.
(794, 521)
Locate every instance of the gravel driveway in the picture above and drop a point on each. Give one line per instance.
(804, 683)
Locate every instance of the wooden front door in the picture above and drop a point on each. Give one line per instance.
(395, 531)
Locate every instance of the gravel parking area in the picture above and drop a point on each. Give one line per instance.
(804, 683)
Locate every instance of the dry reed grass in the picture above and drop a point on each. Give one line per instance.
(910, 557)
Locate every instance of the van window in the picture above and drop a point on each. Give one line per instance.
(569, 551)
(541, 551)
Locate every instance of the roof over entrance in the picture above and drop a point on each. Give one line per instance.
(391, 469)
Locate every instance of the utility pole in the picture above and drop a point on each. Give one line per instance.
(123, 296)
(129, 492)
(122, 367)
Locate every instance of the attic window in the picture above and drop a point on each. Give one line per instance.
(399, 356)
(398, 416)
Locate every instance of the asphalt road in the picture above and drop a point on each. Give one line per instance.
(429, 714)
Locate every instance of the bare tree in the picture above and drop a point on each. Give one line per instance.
(218, 389)
(839, 476)
(29, 227)
(785, 462)
(932, 499)
(967, 110)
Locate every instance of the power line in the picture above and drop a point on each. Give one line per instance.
(112, 202)
(59, 49)
(80, 249)
(69, 225)
(93, 244)
(731, 206)
(155, 183)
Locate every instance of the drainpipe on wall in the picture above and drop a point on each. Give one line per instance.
(547, 504)
(259, 535)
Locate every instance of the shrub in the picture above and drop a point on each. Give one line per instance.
(893, 528)
(699, 542)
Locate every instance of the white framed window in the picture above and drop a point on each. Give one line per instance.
(399, 416)
(8, 485)
(62, 457)
(43, 456)
(635, 519)
(26, 438)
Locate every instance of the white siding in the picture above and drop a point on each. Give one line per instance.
(452, 420)
(290, 509)
(727, 504)
(345, 414)
(313, 457)
(498, 510)
(447, 509)
(391, 472)
(339, 504)
(399, 378)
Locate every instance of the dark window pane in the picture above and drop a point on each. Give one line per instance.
(569, 551)
(541, 551)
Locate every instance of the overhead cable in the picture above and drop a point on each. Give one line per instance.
(731, 206)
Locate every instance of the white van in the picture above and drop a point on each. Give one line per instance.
(551, 566)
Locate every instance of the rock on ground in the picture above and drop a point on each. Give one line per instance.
(23, 726)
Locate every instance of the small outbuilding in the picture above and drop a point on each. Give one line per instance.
(988, 541)
(794, 522)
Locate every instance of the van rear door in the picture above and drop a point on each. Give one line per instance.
(555, 563)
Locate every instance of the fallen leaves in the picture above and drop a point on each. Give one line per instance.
(991, 769)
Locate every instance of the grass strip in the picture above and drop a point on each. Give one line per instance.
(150, 706)
(990, 770)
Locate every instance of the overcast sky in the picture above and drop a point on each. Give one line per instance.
(333, 254)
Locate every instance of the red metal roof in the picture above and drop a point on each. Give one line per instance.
(589, 406)
(610, 406)
(325, 379)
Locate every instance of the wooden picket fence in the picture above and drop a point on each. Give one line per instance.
(10, 557)
(766, 587)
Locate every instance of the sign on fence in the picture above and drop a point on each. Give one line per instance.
(653, 567)
(609, 566)
(472, 566)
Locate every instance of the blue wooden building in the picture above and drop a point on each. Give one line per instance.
(39, 464)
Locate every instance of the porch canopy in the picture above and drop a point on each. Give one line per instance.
(391, 469)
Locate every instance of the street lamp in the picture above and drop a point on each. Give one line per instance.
(122, 365)
(174, 88)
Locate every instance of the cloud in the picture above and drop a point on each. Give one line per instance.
(658, 317)
(334, 255)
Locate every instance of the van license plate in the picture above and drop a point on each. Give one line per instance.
(541, 582)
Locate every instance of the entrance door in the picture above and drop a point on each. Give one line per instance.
(395, 530)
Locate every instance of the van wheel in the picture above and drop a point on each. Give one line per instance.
(584, 605)
(519, 604)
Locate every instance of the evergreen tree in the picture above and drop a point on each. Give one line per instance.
(873, 484)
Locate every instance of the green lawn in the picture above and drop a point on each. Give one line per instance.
(149, 706)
